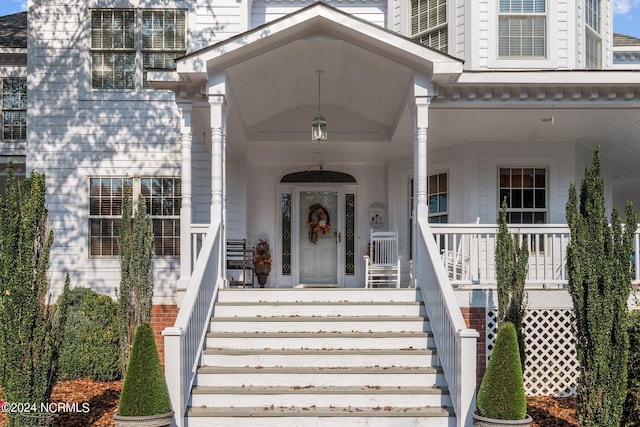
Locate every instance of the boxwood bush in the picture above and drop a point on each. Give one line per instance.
(90, 346)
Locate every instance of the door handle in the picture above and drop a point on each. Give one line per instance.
(339, 237)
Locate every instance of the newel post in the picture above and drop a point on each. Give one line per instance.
(174, 371)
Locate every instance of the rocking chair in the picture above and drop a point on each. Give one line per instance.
(382, 263)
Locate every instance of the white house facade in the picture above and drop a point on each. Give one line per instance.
(435, 112)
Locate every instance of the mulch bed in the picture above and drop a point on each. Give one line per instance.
(102, 399)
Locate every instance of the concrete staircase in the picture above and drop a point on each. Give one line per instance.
(319, 357)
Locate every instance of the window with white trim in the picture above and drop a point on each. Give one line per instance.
(525, 191)
(163, 199)
(522, 29)
(14, 109)
(593, 38)
(125, 43)
(438, 198)
(429, 24)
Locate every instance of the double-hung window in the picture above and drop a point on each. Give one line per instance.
(14, 109)
(525, 192)
(125, 43)
(437, 194)
(162, 199)
(593, 38)
(522, 28)
(429, 23)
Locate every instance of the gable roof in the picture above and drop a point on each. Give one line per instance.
(13, 31)
(624, 40)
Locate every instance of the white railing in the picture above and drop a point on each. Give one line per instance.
(468, 252)
(184, 341)
(198, 234)
(456, 344)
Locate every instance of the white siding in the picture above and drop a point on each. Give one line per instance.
(264, 11)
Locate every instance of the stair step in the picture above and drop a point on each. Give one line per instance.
(400, 376)
(320, 357)
(355, 340)
(319, 308)
(308, 395)
(327, 295)
(319, 323)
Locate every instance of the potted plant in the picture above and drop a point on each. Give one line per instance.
(501, 399)
(262, 261)
(144, 400)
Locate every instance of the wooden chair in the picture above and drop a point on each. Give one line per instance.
(382, 263)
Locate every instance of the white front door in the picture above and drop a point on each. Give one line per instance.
(319, 237)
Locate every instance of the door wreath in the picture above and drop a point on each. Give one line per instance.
(319, 222)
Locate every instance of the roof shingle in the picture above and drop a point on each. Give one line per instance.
(13, 30)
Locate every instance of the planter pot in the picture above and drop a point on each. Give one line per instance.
(262, 279)
(161, 420)
(479, 421)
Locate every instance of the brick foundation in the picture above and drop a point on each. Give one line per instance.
(162, 316)
(476, 318)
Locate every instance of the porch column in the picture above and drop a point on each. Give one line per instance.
(421, 120)
(218, 121)
(186, 141)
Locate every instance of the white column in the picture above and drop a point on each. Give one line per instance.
(186, 217)
(218, 122)
(421, 124)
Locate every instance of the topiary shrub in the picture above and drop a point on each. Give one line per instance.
(501, 395)
(90, 345)
(145, 390)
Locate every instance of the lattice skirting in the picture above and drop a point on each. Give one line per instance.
(551, 368)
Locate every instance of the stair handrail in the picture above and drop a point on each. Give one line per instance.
(455, 343)
(184, 341)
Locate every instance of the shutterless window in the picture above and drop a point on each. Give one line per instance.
(438, 197)
(593, 39)
(525, 191)
(14, 109)
(429, 23)
(162, 197)
(522, 28)
(122, 40)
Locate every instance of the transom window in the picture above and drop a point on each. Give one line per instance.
(162, 196)
(525, 191)
(125, 43)
(429, 23)
(14, 109)
(437, 194)
(522, 28)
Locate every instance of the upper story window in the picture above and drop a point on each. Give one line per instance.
(14, 109)
(162, 197)
(429, 23)
(525, 191)
(522, 28)
(593, 38)
(125, 43)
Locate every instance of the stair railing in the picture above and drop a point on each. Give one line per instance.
(456, 344)
(184, 341)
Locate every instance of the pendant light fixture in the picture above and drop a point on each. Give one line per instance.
(319, 123)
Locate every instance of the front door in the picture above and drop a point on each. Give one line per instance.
(319, 219)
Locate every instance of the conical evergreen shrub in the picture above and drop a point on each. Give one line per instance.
(501, 395)
(145, 390)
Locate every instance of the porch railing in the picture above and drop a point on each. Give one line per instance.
(184, 341)
(198, 233)
(468, 252)
(456, 344)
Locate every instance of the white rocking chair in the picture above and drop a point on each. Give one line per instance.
(382, 264)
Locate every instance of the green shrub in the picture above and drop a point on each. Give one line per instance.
(501, 395)
(145, 390)
(90, 339)
(631, 412)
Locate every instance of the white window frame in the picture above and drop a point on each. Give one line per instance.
(437, 194)
(10, 110)
(521, 210)
(593, 35)
(136, 50)
(136, 190)
(524, 15)
(440, 29)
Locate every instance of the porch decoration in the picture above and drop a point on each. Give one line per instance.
(319, 222)
(262, 261)
(501, 399)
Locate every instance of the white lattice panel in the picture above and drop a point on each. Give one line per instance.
(551, 368)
